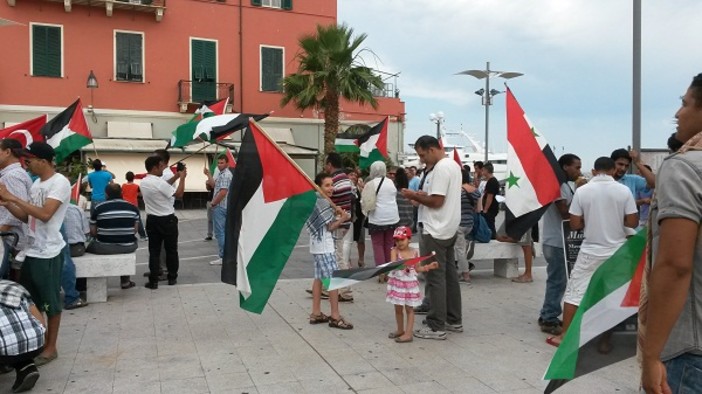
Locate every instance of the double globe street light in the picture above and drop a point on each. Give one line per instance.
(487, 94)
(437, 118)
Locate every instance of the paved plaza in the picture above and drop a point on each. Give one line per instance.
(194, 338)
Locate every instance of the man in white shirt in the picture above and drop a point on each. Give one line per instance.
(161, 221)
(439, 213)
(603, 209)
(41, 270)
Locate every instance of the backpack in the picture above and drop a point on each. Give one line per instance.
(481, 231)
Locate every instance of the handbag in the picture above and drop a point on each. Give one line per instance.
(368, 199)
(481, 231)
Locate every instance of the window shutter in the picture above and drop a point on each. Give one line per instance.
(54, 51)
(256, 3)
(271, 69)
(135, 59)
(287, 4)
(46, 51)
(39, 57)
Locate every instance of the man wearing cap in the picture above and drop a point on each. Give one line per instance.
(41, 270)
(15, 178)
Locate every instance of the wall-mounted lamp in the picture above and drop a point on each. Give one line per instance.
(92, 84)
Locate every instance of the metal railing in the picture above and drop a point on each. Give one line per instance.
(195, 92)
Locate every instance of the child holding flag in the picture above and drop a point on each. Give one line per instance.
(320, 225)
(403, 286)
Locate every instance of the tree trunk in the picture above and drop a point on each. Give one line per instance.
(331, 121)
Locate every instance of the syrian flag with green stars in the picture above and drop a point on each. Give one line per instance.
(348, 277)
(269, 201)
(373, 145)
(534, 177)
(611, 298)
(67, 132)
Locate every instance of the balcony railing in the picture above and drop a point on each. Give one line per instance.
(390, 88)
(193, 93)
(157, 7)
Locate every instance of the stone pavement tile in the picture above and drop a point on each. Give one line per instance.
(407, 375)
(136, 369)
(465, 384)
(180, 366)
(221, 363)
(325, 385)
(263, 376)
(350, 364)
(94, 382)
(281, 388)
(384, 390)
(214, 345)
(170, 346)
(422, 388)
(185, 386)
(136, 347)
(89, 363)
(367, 380)
(311, 369)
(226, 383)
(136, 386)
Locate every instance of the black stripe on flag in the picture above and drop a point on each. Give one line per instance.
(236, 124)
(373, 131)
(247, 178)
(59, 121)
(361, 274)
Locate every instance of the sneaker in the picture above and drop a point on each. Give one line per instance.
(26, 379)
(428, 333)
(79, 303)
(208, 238)
(144, 238)
(216, 262)
(151, 285)
(551, 327)
(421, 310)
(453, 327)
(172, 282)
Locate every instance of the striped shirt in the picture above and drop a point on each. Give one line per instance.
(468, 208)
(343, 193)
(20, 332)
(18, 182)
(224, 179)
(115, 220)
(75, 225)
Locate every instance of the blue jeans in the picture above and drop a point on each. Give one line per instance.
(68, 275)
(555, 283)
(219, 219)
(685, 373)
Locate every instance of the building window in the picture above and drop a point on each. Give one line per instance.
(271, 69)
(129, 57)
(47, 50)
(203, 66)
(284, 4)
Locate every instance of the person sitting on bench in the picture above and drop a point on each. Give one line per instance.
(114, 224)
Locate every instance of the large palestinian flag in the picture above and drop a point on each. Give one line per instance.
(348, 277)
(611, 298)
(269, 202)
(373, 145)
(25, 132)
(67, 132)
(534, 177)
(210, 128)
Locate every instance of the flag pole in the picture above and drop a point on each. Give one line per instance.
(292, 162)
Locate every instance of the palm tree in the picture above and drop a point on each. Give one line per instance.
(329, 70)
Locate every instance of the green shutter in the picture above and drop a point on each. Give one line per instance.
(204, 70)
(257, 3)
(287, 4)
(129, 66)
(271, 69)
(46, 51)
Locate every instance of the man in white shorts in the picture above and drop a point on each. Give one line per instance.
(604, 209)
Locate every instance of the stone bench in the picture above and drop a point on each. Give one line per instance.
(96, 268)
(505, 256)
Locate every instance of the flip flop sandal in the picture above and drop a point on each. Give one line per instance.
(521, 279)
(340, 323)
(550, 341)
(394, 335)
(317, 319)
(43, 360)
(400, 340)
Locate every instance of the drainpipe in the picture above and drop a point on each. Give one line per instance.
(241, 57)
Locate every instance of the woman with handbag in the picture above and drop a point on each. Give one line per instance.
(379, 204)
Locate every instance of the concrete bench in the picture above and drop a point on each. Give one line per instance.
(505, 256)
(96, 268)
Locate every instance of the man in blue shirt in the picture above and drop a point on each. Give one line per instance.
(636, 183)
(98, 181)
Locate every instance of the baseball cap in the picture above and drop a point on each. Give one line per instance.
(39, 150)
(402, 232)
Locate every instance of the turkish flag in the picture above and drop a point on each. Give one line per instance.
(25, 132)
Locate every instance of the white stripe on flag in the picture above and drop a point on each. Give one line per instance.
(537, 134)
(257, 218)
(344, 141)
(337, 283)
(56, 139)
(520, 198)
(605, 314)
(206, 124)
(368, 146)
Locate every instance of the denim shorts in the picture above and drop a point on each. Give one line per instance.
(685, 373)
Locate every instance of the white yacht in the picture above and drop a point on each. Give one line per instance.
(473, 150)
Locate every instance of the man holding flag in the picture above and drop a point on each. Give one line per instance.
(671, 339)
(220, 186)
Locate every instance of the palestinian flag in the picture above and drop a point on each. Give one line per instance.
(534, 178)
(269, 201)
(346, 145)
(210, 108)
(373, 145)
(67, 132)
(210, 128)
(75, 190)
(230, 160)
(348, 277)
(611, 298)
(25, 132)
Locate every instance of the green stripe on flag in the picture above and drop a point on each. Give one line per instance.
(365, 162)
(614, 273)
(344, 148)
(275, 248)
(69, 145)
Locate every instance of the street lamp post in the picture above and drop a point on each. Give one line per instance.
(437, 118)
(487, 93)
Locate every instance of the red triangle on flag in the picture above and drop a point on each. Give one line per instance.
(457, 158)
(25, 132)
(230, 159)
(78, 124)
(281, 178)
(75, 190)
(633, 293)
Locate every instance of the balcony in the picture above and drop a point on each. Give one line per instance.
(157, 7)
(191, 94)
(390, 88)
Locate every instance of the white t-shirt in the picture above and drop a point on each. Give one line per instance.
(167, 174)
(158, 195)
(603, 203)
(443, 180)
(44, 238)
(385, 212)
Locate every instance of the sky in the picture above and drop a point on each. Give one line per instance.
(576, 57)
